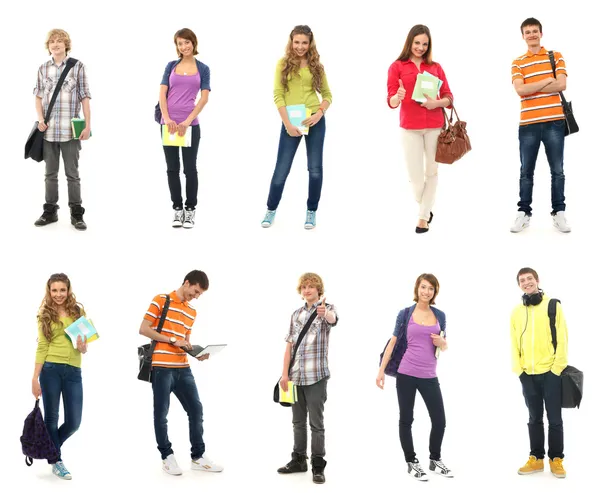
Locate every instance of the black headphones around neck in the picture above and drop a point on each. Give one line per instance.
(533, 299)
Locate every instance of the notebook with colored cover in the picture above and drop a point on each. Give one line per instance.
(291, 396)
(437, 349)
(81, 327)
(297, 113)
(176, 139)
(77, 126)
(426, 84)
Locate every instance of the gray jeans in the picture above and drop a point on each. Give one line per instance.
(70, 153)
(311, 401)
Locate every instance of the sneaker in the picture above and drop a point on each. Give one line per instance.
(533, 465)
(60, 470)
(521, 222)
(268, 219)
(170, 466)
(556, 467)
(49, 215)
(297, 464)
(189, 218)
(318, 469)
(205, 464)
(178, 217)
(438, 467)
(77, 218)
(415, 470)
(560, 222)
(311, 220)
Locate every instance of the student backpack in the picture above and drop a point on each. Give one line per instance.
(35, 441)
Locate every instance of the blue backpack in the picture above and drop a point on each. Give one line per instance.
(36, 441)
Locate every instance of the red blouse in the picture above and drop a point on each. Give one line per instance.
(413, 116)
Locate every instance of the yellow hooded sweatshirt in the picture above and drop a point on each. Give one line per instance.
(532, 350)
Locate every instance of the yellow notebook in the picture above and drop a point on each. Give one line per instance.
(291, 396)
(176, 139)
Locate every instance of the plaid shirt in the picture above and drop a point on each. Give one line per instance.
(75, 88)
(310, 364)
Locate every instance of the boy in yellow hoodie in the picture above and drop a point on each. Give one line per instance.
(539, 367)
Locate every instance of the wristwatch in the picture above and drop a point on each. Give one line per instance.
(172, 340)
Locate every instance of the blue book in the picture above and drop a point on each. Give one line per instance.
(297, 113)
(81, 327)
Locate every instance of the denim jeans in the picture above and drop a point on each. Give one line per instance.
(552, 135)
(55, 380)
(429, 388)
(311, 402)
(285, 156)
(539, 390)
(179, 381)
(70, 154)
(190, 155)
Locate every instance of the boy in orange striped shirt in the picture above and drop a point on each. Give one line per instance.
(171, 371)
(542, 121)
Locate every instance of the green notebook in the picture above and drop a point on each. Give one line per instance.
(77, 125)
(426, 84)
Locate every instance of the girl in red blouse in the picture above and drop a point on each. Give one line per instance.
(420, 122)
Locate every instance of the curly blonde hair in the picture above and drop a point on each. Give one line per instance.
(48, 313)
(312, 279)
(61, 36)
(291, 62)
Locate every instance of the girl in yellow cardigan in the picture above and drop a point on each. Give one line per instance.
(299, 79)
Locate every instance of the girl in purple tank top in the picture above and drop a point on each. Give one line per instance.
(182, 80)
(418, 338)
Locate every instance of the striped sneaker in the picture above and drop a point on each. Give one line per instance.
(415, 470)
(206, 465)
(171, 467)
(438, 467)
(61, 471)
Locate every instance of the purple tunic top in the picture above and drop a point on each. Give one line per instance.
(419, 359)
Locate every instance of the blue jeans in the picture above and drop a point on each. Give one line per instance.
(552, 134)
(285, 156)
(57, 379)
(181, 382)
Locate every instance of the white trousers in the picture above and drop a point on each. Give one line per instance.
(419, 154)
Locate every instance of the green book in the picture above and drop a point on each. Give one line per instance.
(426, 84)
(77, 125)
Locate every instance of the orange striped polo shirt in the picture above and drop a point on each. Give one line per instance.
(178, 322)
(539, 107)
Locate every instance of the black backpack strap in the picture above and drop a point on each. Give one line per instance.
(552, 317)
(68, 66)
(161, 322)
(300, 337)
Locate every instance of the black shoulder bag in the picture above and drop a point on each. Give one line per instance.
(34, 147)
(571, 378)
(300, 337)
(146, 351)
(570, 124)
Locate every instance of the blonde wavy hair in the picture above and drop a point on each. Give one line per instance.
(291, 61)
(312, 279)
(48, 313)
(60, 35)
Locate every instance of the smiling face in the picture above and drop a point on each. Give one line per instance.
(185, 47)
(57, 47)
(426, 291)
(532, 36)
(310, 293)
(59, 292)
(528, 283)
(300, 44)
(191, 291)
(419, 46)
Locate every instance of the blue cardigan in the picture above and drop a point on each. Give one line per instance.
(202, 69)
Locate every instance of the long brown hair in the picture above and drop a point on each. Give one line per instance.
(291, 62)
(48, 313)
(412, 34)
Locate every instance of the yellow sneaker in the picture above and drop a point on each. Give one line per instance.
(533, 465)
(556, 467)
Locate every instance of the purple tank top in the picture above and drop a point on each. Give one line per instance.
(181, 98)
(419, 359)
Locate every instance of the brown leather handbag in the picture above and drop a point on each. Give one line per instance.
(453, 141)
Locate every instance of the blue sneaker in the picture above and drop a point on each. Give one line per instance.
(311, 220)
(268, 220)
(60, 470)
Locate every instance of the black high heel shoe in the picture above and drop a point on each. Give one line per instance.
(430, 218)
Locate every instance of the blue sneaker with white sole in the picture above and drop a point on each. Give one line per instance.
(268, 219)
(311, 220)
(61, 471)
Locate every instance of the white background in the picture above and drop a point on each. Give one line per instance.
(364, 245)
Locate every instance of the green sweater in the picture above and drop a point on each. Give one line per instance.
(300, 90)
(59, 349)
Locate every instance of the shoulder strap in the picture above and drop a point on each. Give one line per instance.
(301, 336)
(68, 66)
(553, 63)
(161, 322)
(552, 317)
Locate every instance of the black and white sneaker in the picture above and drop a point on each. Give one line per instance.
(438, 467)
(415, 470)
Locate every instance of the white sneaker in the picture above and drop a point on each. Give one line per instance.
(170, 466)
(415, 470)
(521, 222)
(189, 218)
(560, 222)
(177, 218)
(206, 465)
(438, 467)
